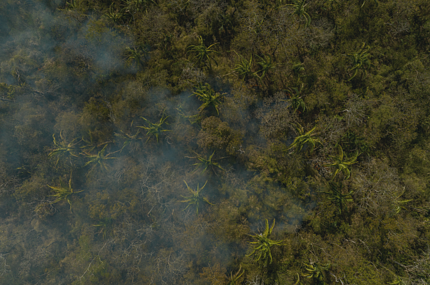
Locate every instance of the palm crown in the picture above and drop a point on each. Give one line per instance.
(208, 96)
(99, 159)
(341, 163)
(62, 193)
(299, 6)
(154, 128)
(63, 148)
(203, 54)
(263, 244)
(304, 138)
(360, 60)
(338, 197)
(195, 198)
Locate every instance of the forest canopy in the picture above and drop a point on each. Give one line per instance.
(215, 142)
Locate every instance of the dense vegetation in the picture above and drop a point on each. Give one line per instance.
(215, 142)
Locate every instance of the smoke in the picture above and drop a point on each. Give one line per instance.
(71, 78)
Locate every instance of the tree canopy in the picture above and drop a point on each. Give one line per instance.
(158, 141)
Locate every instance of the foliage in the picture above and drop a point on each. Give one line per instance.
(304, 138)
(234, 279)
(86, 71)
(127, 137)
(360, 60)
(195, 198)
(316, 271)
(154, 129)
(266, 64)
(341, 164)
(64, 149)
(105, 226)
(398, 205)
(134, 55)
(206, 163)
(99, 159)
(62, 193)
(263, 244)
(208, 96)
(244, 68)
(113, 14)
(299, 10)
(203, 54)
(296, 100)
(338, 198)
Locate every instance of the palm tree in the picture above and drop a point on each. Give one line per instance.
(208, 96)
(316, 272)
(105, 225)
(138, 5)
(299, 6)
(244, 68)
(205, 163)
(127, 137)
(338, 197)
(398, 204)
(62, 193)
(134, 55)
(364, 2)
(234, 279)
(304, 138)
(195, 198)
(64, 149)
(266, 64)
(360, 60)
(113, 15)
(203, 54)
(193, 119)
(341, 165)
(296, 100)
(263, 244)
(154, 128)
(99, 159)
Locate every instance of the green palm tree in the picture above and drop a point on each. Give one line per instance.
(105, 225)
(398, 281)
(64, 149)
(208, 96)
(99, 159)
(234, 279)
(72, 5)
(193, 119)
(244, 68)
(364, 2)
(316, 272)
(304, 138)
(128, 138)
(296, 100)
(138, 5)
(134, 55)
(266, 64)
(63, 194)
(299, 6)
(154, 129)
(263, 244)
(360, 60)
(206, 163)
(113, 15)
(341, 163)
(195, 198)
(338, 197)
(203, 54)
(398, 205)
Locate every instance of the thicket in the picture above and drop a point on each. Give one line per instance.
(214, 142)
